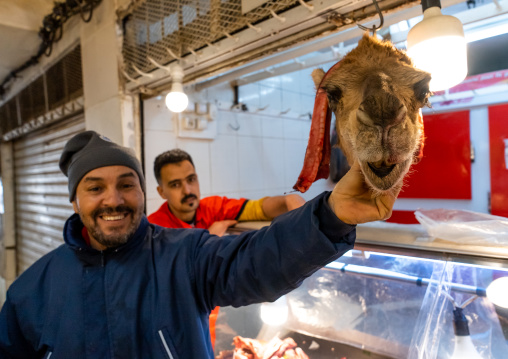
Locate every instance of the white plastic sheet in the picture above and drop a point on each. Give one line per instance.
(464, 227)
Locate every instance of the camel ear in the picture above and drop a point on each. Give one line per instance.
(317, 76)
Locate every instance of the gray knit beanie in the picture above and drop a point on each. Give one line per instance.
(87, 151)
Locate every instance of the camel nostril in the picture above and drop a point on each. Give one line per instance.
(381, 170)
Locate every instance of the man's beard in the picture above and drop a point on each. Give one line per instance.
(114, 239)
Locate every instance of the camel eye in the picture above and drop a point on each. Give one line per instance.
(421, 90)
(334, 94)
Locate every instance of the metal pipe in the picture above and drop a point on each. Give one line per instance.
(419, 281)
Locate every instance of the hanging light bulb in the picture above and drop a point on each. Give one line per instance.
(464, 348)
(176, 99)
(437, 45)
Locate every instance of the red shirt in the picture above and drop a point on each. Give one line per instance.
(210, 210)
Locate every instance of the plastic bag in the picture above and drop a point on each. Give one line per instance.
(464, 227)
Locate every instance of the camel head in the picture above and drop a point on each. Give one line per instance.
(376, 94)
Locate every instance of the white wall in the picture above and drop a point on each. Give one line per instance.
(262, 157)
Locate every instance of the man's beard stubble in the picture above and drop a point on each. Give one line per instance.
(115, 239)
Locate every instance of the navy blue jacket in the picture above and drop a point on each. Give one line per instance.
(151, 297)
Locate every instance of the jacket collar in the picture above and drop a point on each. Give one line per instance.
(74, 239)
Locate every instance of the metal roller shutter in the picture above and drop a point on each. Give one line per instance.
(42, 202)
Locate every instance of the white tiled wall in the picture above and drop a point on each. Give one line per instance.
(256, 153)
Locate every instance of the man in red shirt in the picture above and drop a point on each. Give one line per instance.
(184, 208)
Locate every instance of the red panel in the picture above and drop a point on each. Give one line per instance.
(498, 131)
(403, 217)
(445, 169)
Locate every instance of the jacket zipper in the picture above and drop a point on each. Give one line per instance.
(49, 355)
(168, 352)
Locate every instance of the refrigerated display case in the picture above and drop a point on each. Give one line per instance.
(388, 299)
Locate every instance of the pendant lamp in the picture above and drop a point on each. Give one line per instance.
(176, 99)
(437, 45)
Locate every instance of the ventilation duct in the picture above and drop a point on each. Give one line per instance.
(52, 96)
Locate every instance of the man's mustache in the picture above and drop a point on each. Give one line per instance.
(110, 210)
(189, 196)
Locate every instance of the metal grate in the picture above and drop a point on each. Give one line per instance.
(65, 80)
(32, 100)
(208, 37)
(59, 85)
(9, 116)
(185, 26)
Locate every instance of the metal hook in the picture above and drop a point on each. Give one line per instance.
(141, 72)
(374, 28)
(166, 68)
(171, 53)
(261, 108)
(280, 18)
(308, 6)
(130, 78)
(257, 29)
(235, 127)
(231, 37)
(193, 52)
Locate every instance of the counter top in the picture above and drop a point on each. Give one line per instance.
(412, 237)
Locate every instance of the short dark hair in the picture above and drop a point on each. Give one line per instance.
(175, 155)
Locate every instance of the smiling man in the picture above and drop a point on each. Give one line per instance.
(110, 218)
(108, 197)
(120, 287)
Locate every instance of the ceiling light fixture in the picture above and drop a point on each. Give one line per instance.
(176, 99)
(437, 45)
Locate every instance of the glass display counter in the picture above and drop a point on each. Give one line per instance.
(385, 301)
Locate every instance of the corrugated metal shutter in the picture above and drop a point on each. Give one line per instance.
(42, 202)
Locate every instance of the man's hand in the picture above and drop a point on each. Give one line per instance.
(354, 202)
(219, 228)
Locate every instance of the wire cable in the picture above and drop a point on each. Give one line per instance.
(52, 31)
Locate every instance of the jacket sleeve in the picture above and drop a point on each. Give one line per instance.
(258, 266)
(13, 344)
